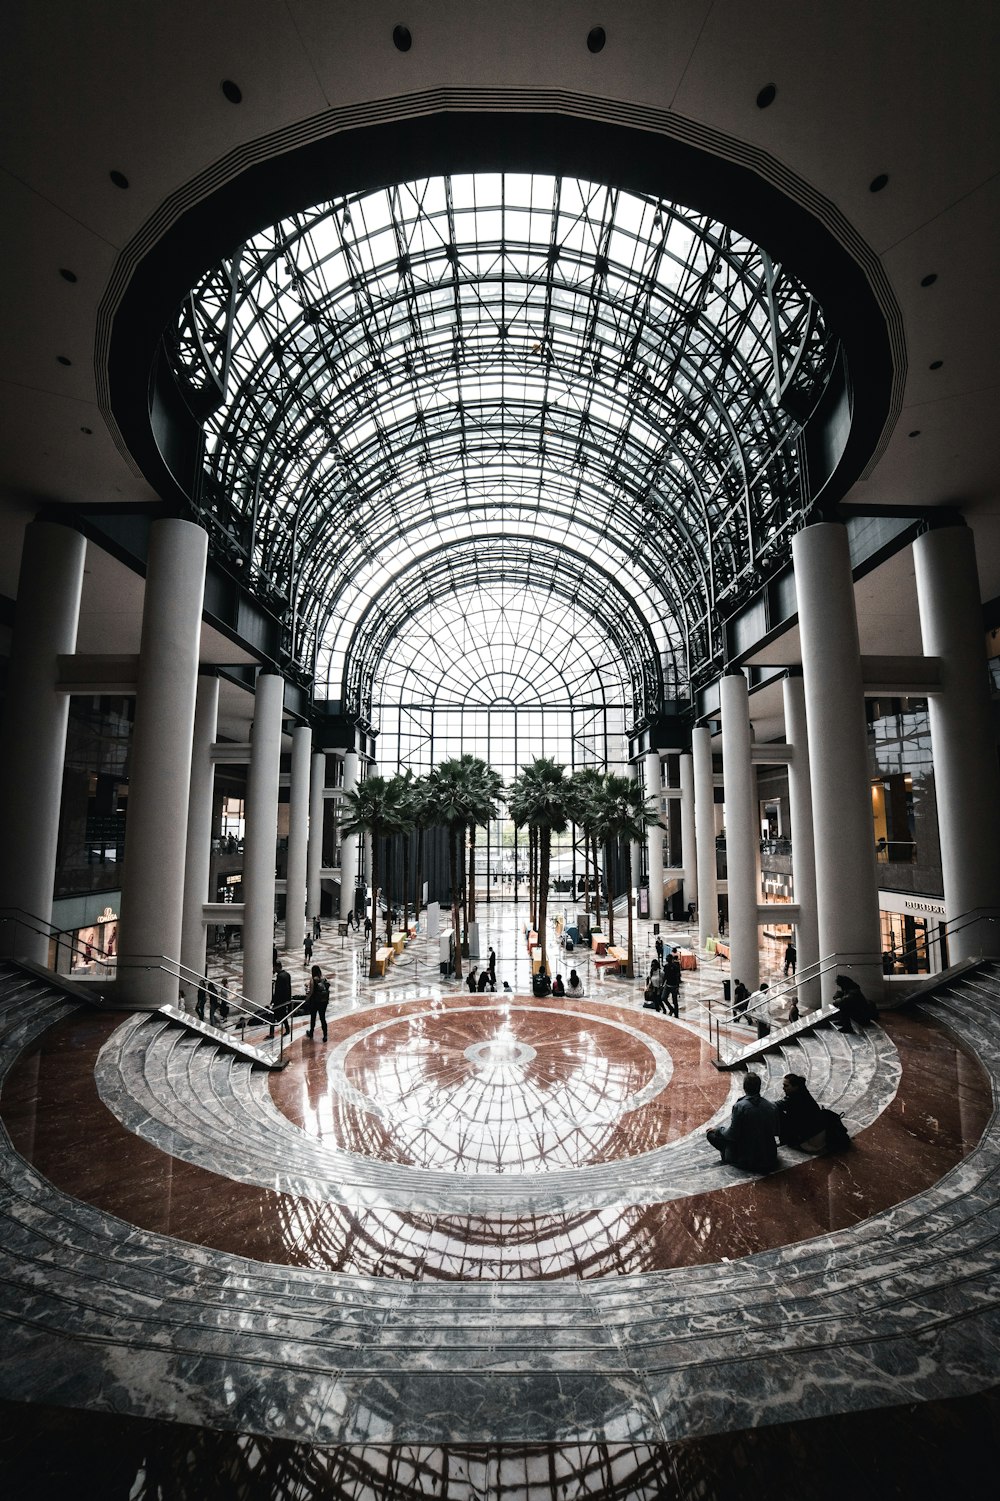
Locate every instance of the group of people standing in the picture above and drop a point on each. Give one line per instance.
(663, 988)
(487, 977)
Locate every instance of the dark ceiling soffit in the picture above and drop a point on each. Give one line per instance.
(447, 142)
(229, 606)
(875, 535)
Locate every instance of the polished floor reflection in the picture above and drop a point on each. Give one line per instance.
(46, 1452)
(55, 1118)
(489, 1087)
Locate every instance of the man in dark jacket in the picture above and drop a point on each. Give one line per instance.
(281, 1000)
(748, 1141)
(672, 982)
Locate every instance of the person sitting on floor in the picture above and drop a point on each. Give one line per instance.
(852, 1004)
(748, 1142)
(800, 1117)
(558, 986)
(574, 985)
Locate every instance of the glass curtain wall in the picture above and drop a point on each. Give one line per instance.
(505, 673)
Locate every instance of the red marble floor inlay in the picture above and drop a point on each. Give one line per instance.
(498, 1087)
(55, 1117)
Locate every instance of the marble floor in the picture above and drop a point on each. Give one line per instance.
(477, 1246)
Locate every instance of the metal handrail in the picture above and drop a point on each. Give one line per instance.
(838, 962)
(247, 1012)
(835, 962)
(44, 929)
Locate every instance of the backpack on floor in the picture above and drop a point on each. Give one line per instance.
(837, 1139)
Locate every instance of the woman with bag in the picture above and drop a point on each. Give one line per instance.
(317, 995)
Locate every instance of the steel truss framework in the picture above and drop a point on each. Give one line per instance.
(502, 375)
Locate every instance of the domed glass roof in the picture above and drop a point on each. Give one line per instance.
(482, 387)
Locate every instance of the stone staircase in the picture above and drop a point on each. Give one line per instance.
(96, 1313)
(214, 1112)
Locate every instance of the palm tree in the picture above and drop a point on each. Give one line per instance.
(488, 788)
(624, 814)
(587, 784)
(453, 797)
(418, 800)
(400, 823)
(372, 808)
(544, 797)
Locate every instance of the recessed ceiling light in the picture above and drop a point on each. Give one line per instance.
(766, 96)
(915, 433)
(935, 364)
(596, 37)
(878, 183)
(88, 430)
(929, 279)
(119, 179)
(401, 38)
(62, 360)
(66, 274)
(232, 91)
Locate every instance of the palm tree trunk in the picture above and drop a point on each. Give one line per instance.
(608, 854)
(417, 904)
(597, 884)
(532, 914)
(465, 896)
(455, 895)
(630, 968)
(472, 872)
(387, 854)
(372, 972)
(545, 836)
(406, 873)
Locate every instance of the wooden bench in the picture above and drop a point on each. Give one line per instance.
(383, 958)
(398, 942)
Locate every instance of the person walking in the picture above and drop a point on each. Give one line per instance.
(307, 947)
(791, 957)
(491, 965)
(281, 1000)
(317, 995)
(659, 951)
(672, 982)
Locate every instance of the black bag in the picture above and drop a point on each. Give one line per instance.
(837, 1139)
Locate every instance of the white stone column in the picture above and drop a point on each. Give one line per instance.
(298, 837)
(742, 831)
(846, 880)
(317, 783)
(966, 780)
(654, 836)
(156, 823)
(704, 820)
(33, 742)
(349, 845)
(803, 844)
(689, 849)
(199, 824)
(634, 849)
(260, 842)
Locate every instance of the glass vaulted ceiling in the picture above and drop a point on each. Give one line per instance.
(454, 386)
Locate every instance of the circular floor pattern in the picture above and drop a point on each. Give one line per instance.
(508, 1088)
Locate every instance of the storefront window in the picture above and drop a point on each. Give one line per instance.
(904, 806)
